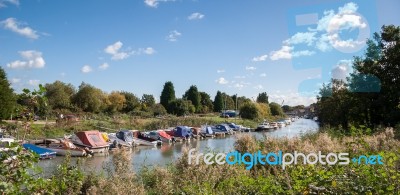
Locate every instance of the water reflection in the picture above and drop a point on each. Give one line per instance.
(168, 153)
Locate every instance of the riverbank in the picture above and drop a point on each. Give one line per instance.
(180, 177)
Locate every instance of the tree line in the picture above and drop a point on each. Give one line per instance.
(370, 96)
(64, 98)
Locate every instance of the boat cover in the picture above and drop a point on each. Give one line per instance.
(182, 131)
(91, 138)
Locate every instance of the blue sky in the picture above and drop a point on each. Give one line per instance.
(286, 48)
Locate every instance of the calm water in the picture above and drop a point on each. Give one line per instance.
(168, 153)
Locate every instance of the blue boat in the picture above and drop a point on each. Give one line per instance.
(42, 152)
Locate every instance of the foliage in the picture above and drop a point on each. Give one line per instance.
(167, 95)
(117, 102)
(263, 110)
(181, 107)
(371, 94)
(218, 102)
(193, 95)
(276, 109)
(7, 98)
(206, 103)
(262, 98)
(90, 99)
(159, 109)
(132, 102)
(59, 95)
(249, 111)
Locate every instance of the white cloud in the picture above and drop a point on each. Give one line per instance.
(300, 37)
(240, 77)
(250, 68)
(173, 35)
(196, 16)
(260, 58)
(114, 51)
(149, 51)
(86, 69)
(342, 70)
(258, 87)
(222, 81)
(292, 99)
(263, 75)
(63, 74)
(220, 71)
(19, 28)
(154, 3)
(286, 52)
(239, 86)
(15, 80)
(3, 3)
(104, 66)
(34, 82)
(32, 59)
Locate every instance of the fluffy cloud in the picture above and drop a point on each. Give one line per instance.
(263, 75)
(86, 69)
(220, 71)
(149, 51)
(154, 3)
(250, 68)
(173, 35)
(3, 3)
(300, 37)
(260, 58)
(341, 70)
(258, 87)
(13, 25)
(104, 66)
(15, 80)
(222, 81)
(196, 16)
(114, 51)
(34, 82)
(239, 86)
(292, 99)
(240, 77)
(32, 59)
(286, 52)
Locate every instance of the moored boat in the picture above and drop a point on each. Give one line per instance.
(64, 147)
(43, 153)
(92, 140)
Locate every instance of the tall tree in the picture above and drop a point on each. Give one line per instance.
(181, 107)
(276, 109)
(229, 103)
(59, 95)
(132, 102)
(193, 95)
(90, 99)
(167, 94)
(218, 102)
(117, 101)
(7, 98)
(147, 102)
(206, 103)
(262, 98)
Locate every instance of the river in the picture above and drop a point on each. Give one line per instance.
(168, 153)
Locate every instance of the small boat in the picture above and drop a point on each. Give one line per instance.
(123, 138)
(93, 140)
(273, 125)
(281, 124)
(263, 126)
(141, 138)
(64, 147)
(164, 136)
(182, 132)
(43, 153)
(207, 131)
(223, 128)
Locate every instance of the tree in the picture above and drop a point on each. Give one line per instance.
(7, 98)
(229, 103)
(263, 110)
(167, 94)
(206, 103)
(132, 103)
(287, 108)
(218, 102)
(117, 102)
(181, 107)
(276, 109)
(193, 95)
(262, 98)
(90, 99)
(249, 111)
(147, 101)
(59, 95)
(159, 109)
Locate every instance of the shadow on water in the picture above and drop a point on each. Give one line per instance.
(168, 153)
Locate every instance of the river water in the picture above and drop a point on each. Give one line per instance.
(168, 153)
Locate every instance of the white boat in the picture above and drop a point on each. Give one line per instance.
(64, 147)
(141, 142)
(263, 126)
(273, 125)
(281, 124)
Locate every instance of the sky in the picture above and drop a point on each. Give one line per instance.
(285, 48)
